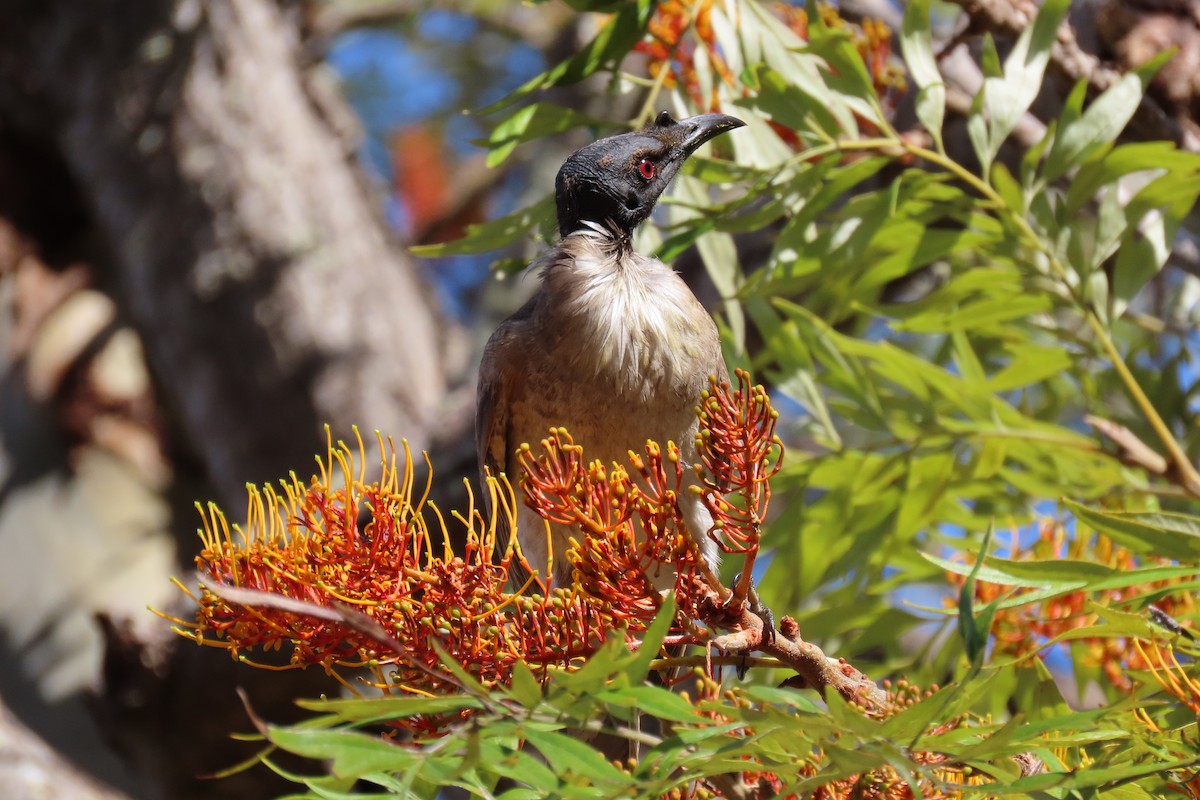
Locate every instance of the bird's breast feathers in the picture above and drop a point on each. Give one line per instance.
(634, 321)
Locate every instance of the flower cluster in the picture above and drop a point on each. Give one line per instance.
(739, 454)
(1171, 675)
(1024, 629)
(1164, 666)
(347, 574)
(672, 56)
(633, 529)
(692, 62)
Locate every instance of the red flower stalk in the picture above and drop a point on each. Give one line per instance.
(739, 454)
(632, 530)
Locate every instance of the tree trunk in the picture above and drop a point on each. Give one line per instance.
(248, 253)
(227, 219)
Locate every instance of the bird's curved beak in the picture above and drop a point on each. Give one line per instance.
(703, 127)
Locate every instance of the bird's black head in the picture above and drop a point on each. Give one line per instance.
(616, 181)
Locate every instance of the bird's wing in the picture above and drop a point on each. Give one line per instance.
(499, 373)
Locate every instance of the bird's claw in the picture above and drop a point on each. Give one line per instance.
(768, 620)
(755, 606)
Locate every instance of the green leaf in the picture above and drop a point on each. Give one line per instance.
(978, 130)
(974, 630)
(1029, 364)
(1033, 156)
(525, 769)
(1153, 218)
(1124, 160)
(1037, 693)
(372, 709)
(572, 757)
(352, 753)
(1167, 535)
(675, 246)
(764, 41)
(916, 43)
(494, 234)
(1092, 777)
(525, 687)
(1007, 98)
(533, 122)
(1098, 126)
(639, 666)
(848, 75)
(653, 700)
(611, 44)
(1058, 577)
(788, 104)
(1008, 188)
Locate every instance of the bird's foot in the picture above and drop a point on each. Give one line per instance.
(755, 606)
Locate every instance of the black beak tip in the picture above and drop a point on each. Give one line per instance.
(706, 126)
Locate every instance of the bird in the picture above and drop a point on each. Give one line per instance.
(613, 345)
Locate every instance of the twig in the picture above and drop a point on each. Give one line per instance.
(1134, 452)
(814, 669)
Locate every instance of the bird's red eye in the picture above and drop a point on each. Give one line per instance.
(647, 169)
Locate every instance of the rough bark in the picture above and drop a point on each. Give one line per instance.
(232, 228)
(248, 254)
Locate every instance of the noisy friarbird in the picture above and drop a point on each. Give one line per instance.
(613, 346)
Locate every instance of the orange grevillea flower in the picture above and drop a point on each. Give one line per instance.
(1024, 629)
(1171, 675)
(1175, 680)
(672, 54)
(347, 573)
